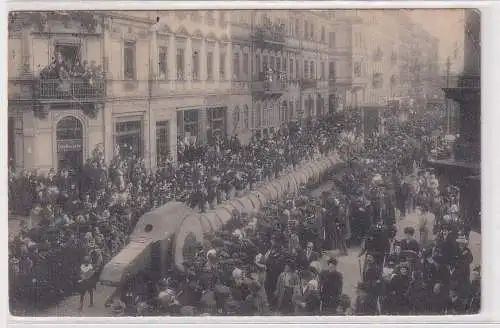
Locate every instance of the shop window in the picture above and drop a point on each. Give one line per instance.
(128, 136)
(129, 60)
(162, 142)
(187, 123)
(217, 121)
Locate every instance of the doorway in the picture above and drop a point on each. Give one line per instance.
(69, 138)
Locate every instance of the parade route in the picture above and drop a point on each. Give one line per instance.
(349, 266)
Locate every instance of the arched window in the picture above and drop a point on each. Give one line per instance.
(69, 128)
(69, 139)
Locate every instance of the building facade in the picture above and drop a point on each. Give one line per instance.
(148, 82)
(80, 81)
(463, 169)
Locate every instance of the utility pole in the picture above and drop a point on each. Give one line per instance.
(448, 116)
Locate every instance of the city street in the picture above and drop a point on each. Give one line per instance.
(349, 265)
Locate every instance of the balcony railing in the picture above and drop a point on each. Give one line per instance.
(308, 83)
(464, 82)
(70, 89)
(275, 86)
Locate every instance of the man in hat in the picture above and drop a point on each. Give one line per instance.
(331, 284)
(398, 302)
(308, 256)
(409, 243)
(273, 260)
(306, 296)
(287, 280)
(465, 257)
(86, 282)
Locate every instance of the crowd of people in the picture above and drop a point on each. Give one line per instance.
(69, 217)
(65, 72)
(273, 262)
(270, 262)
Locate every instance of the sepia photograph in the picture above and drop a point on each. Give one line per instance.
(244, 162)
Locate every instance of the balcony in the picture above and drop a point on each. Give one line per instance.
(269, 37)
(465, 81)
(269, 88)
(308, 84)
(465, 88)
(71, 90)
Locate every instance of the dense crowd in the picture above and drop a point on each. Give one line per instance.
(65, 71)
(272, 262)
(89, 215)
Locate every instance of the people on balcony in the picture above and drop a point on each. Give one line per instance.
(64, 73)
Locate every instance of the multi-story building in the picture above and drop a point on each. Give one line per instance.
(391, 55)
(141, 80)
(419, 66)
(283, 57)
(464, 167)
(78, 80)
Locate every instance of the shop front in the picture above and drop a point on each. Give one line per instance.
(69, 144)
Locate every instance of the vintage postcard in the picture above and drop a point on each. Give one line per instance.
(244, 162)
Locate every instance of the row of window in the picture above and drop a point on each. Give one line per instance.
(240, 65)
(129, 134)
(180, 63)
